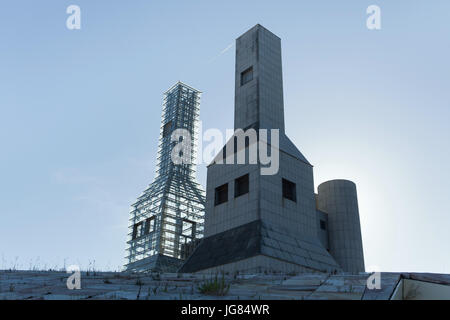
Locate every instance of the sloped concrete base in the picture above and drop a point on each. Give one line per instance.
(258, 247)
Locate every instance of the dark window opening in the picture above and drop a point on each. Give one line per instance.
(137, 230)
(166, 128)
(241, 186)
(144, 227)
(247, 76)
(134, 232)
(221, 194)
(323, 225)
(289, 190)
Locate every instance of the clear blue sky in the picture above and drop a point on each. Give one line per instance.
(80, 115)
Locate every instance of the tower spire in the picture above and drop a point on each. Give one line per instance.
(258, 81)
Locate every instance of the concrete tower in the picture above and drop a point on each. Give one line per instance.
(256, 222)
(167, 219)
(338, 198)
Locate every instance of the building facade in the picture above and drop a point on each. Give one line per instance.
(167, 220)
(258, 222)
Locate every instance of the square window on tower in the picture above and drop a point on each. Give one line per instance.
(247, 76)
(241, 186)
(289, 190)
(221, 194)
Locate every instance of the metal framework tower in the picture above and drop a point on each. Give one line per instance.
(167, 219)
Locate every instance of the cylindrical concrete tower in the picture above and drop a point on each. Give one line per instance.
(338, 198)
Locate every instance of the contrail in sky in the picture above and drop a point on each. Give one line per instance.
(222, 52)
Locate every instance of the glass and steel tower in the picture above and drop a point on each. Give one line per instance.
(167, 219)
